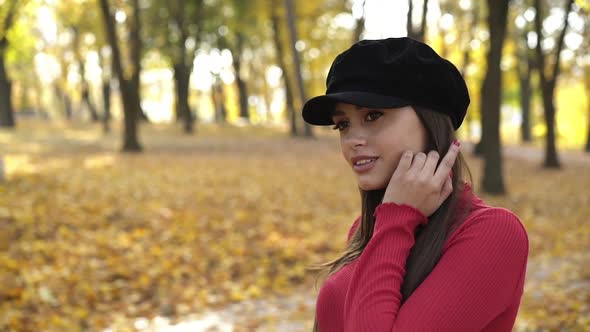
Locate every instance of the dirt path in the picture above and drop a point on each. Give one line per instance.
(293, 313)
(534, 154)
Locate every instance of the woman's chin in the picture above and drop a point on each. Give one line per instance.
(370, 185)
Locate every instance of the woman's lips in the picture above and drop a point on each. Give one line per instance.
(364, 167)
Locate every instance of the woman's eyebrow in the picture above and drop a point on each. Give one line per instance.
(338, 112)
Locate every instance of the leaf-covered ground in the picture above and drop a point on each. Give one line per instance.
(226, 221)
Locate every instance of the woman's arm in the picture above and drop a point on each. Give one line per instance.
(474, 281)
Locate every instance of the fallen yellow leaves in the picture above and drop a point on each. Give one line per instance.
(91, 239)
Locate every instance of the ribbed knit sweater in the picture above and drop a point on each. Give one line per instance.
(477, 284)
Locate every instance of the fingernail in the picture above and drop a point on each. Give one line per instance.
(456, 142)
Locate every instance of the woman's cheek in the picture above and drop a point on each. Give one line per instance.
(390, 164)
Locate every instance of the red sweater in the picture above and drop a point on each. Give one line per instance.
(476, 285)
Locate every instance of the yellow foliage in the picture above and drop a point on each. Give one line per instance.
(91, 239)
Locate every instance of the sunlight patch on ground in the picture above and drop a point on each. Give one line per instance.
(210, 322)
(99, 161)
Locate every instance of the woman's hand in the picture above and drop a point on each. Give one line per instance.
(415, 181)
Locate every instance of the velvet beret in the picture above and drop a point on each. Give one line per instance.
(390, 73)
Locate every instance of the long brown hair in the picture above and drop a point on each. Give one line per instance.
(431, 237)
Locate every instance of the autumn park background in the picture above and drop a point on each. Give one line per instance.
(156, 174)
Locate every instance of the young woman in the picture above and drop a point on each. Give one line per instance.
(426, 254)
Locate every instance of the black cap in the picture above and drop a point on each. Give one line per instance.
(390, 73)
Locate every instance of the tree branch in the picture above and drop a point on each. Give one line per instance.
(555, 70)
(8, 23)
(538, 49)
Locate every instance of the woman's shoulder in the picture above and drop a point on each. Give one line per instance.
(490, 222)
(482, 212)
(493, 216)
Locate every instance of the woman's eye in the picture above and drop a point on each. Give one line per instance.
(373, 113)
(339, 125)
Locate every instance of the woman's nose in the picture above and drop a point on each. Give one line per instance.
(356, 138)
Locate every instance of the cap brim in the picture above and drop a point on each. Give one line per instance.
(318, 110)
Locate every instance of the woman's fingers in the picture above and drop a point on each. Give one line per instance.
(442, 172)
(425, 166)
(430, 165)
(404, 163)
(447, 189)
(414, 183)
(417, 163)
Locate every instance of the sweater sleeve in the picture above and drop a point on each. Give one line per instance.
(474, 281)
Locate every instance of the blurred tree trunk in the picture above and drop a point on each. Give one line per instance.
(24, 102)
(260, 87)
(267, 93)
(106, 101)
(183, 66)
(583, 51)
(240, 83)
(422, 32)
(135, 53)
(524, 67)
(360, 25)
(182, 76)
(419, 34)
(548, 82)
(130, 98)
(106, 93)
(491, 97)
(38, 88)
(290, 8)
(218, 97)
(6, 110)
(61, 88)
(64, 98)
(587, 84)
(467, 36)
(409, 23)
(85, 93)
(289, 100)
(88, 102)
(478, 148)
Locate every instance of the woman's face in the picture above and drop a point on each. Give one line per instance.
(377, 133)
